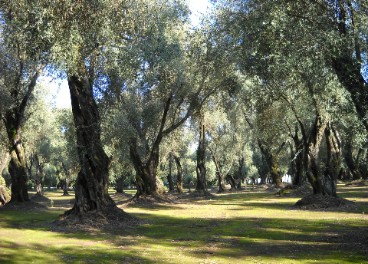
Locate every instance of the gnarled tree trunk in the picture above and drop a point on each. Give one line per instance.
(146, 173)
(314, 174)
(230, 179)
(275, 172)
(272, 164)
(17, 166)
(333, 169)
(91, 188)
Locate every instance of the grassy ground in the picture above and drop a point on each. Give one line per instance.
(251, 226)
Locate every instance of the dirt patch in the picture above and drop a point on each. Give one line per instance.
(200, 195)
(319, 201)
(111, 219)
(295, 190)
(358, 183)
(149, 201)
(24, 206)
(38, 198)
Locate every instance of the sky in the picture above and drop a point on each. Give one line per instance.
(60, 95)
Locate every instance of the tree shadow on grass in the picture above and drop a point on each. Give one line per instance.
(222, 240)
(240, 238)
(18, 253)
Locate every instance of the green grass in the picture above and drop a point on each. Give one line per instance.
(246, 227)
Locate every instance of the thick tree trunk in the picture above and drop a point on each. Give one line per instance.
(17, 166)
(272, 164)
(179, 176)
(91, 189)
(146, 173)
(66, 187)
(333, 169)
(275, 172)
(119, 187)
(201, 161)
(299, 174)
(314, 174)
(230, 179)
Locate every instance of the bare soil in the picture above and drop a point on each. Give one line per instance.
(319, 201)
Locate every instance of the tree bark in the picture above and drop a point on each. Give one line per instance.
(17, 166)
(230, 179)
(179, 175)
(272, 164)
(333, 170)
(314, 173)
(91, 189)
(275, 172)
(120, 184)
(201, 160)
(146, 173)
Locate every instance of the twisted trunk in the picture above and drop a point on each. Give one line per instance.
(17, 166)
(333, 170)
(314, 174)
(91, 189)
(146, 173)
(230, 179)
(272, 164)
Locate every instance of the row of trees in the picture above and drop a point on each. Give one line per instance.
(261, 84)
